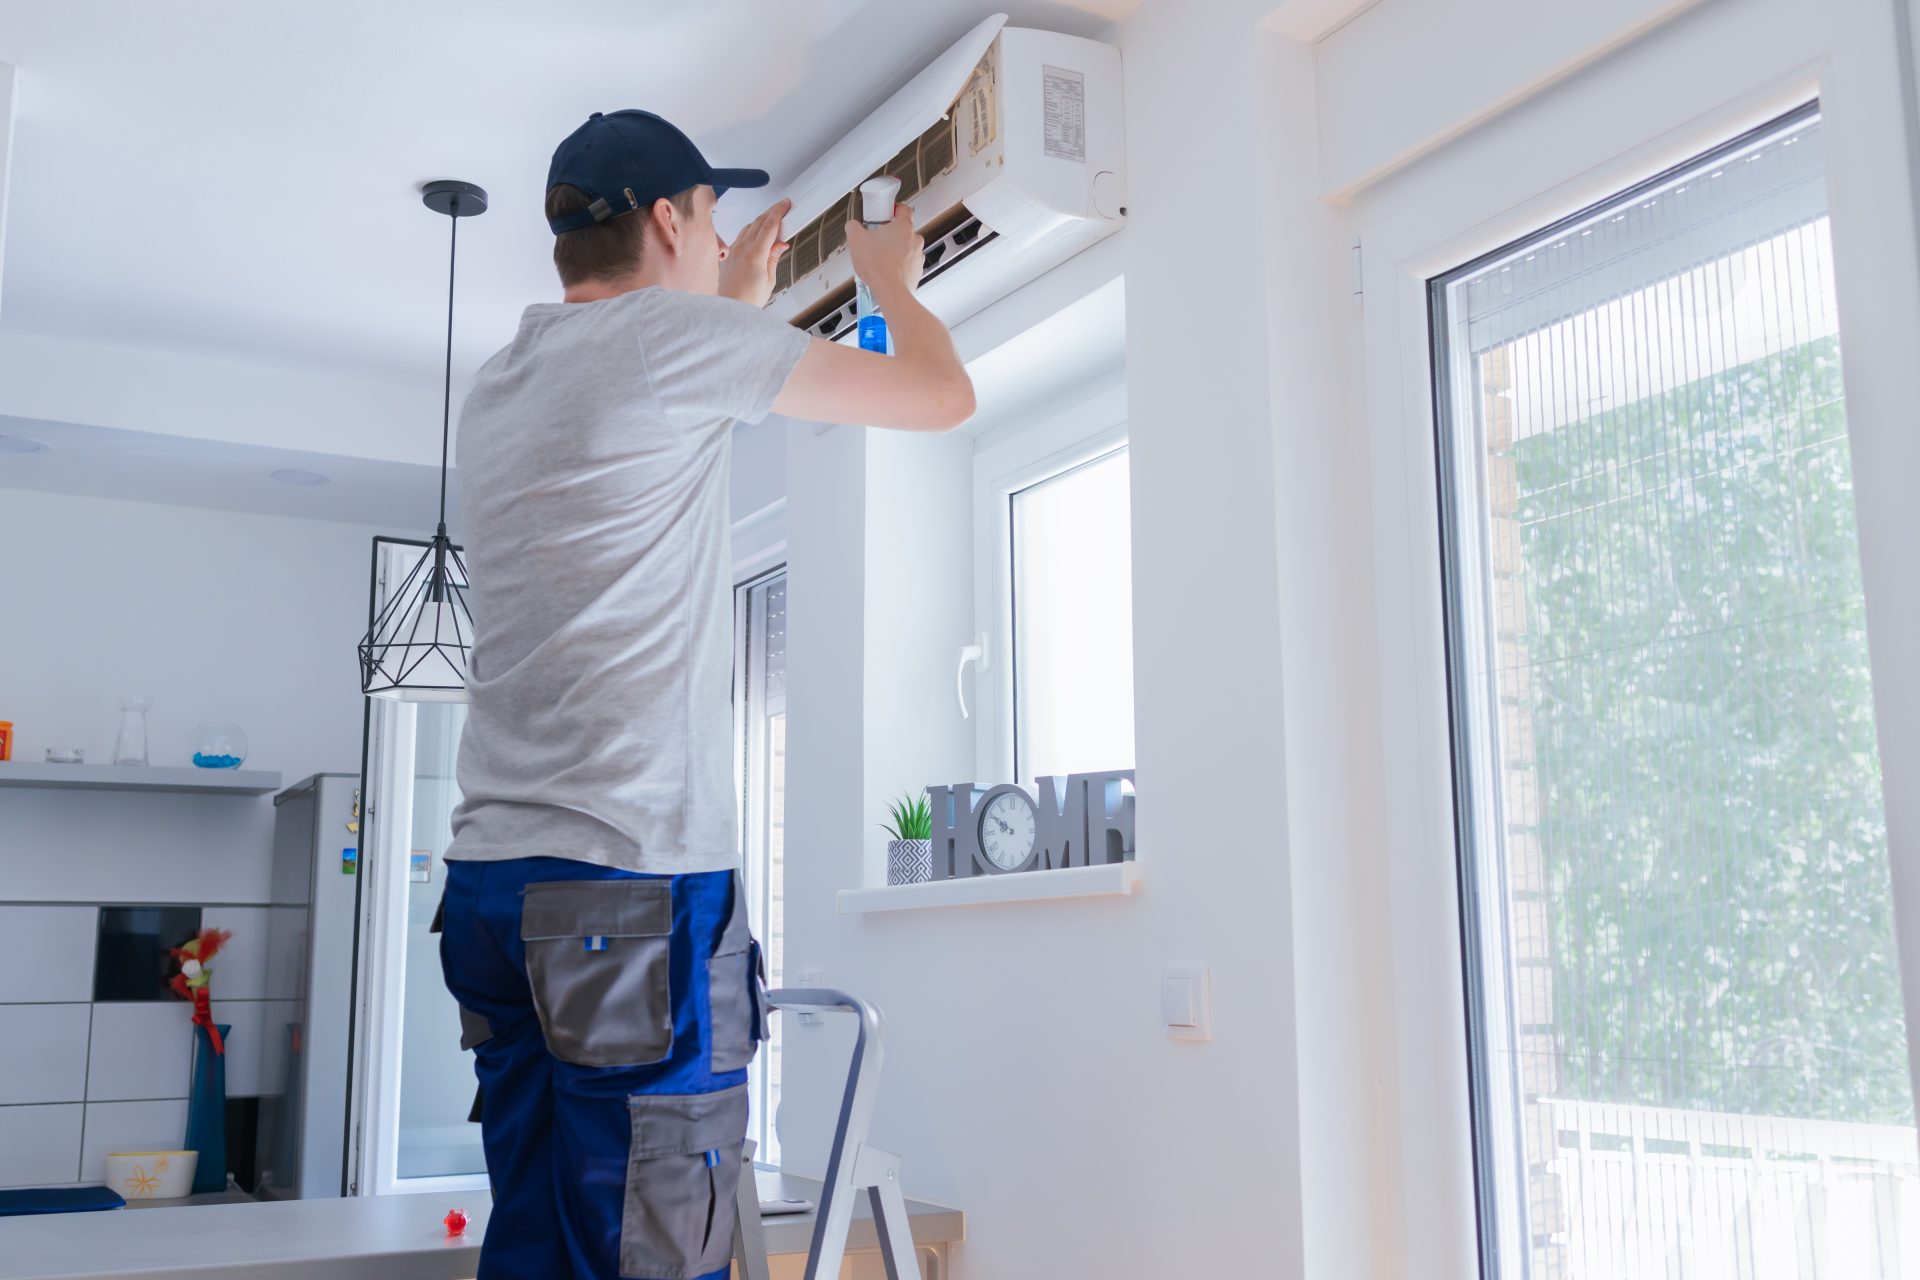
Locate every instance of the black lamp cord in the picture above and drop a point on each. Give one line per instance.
(446, 393)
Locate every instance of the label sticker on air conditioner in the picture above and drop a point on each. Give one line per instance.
(1064, 113)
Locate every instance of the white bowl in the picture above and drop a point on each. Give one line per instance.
(152, 1175)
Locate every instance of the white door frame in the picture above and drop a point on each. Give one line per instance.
(386, 847)
(1672, 95)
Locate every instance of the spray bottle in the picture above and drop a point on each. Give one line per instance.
(877, 198)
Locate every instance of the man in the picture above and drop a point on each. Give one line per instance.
(594, 933)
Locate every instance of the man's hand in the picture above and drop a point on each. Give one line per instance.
(887, 253)
(746, 273)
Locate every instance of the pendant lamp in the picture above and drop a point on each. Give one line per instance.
(419, 644)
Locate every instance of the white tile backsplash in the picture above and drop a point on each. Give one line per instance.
(240, 970)
(140, 1050)
(40, 1146)
(130, 1126)
(61, 942)
(43, 1052)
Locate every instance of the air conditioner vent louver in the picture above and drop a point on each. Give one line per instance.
(948, 244)
(916, 164)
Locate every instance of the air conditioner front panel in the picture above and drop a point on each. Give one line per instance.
(1032, 131)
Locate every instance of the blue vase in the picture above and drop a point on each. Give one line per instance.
(207, 1111)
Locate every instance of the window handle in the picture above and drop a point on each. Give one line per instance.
(975, 653)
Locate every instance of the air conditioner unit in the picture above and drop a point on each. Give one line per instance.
(1009, 148)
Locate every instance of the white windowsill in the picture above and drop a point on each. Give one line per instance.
(1118, 879)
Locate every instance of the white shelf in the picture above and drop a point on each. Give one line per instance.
(131, 777)
(1116, 879)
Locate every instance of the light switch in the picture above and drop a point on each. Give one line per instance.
(1186, 1002)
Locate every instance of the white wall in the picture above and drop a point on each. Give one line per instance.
(219, 617)
(1404, 76)
(1028, 1077)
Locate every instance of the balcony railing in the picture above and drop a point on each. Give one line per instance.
(1652, 1193)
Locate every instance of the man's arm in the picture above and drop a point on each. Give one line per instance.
(921, 387)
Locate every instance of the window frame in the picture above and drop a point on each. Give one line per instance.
(379, 998)
(1619, 121)
(1002, 467)
(1466, 560)
(749, 742)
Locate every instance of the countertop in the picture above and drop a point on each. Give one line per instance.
(397, 1237)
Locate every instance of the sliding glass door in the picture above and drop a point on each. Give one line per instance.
(1688, 1042)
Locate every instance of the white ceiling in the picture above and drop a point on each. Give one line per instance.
(241, 178)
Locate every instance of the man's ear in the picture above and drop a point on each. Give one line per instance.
(667, 225)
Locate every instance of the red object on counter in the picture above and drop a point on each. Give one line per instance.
(456, 1221)
(6, 739)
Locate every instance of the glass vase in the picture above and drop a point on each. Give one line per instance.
(130, 747)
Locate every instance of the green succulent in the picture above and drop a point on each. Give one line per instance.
(912, 819)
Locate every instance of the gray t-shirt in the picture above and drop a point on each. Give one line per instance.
(594, 457)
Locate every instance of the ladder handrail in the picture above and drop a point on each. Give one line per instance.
(853, 1165)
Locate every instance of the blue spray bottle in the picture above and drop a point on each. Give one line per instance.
(877, 198)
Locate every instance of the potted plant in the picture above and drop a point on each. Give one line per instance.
(910, 852)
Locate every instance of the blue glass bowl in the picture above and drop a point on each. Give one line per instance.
(219, 746)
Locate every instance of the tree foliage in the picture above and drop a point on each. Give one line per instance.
(1694, 681)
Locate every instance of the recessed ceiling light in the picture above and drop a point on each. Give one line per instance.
(302, 477)
(20, 444)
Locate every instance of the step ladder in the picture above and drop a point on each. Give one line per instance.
(853, 1167)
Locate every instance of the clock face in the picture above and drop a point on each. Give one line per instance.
(1006, 830)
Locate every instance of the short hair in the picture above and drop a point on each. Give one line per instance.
(609, 250)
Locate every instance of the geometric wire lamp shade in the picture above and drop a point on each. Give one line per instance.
(419, 644)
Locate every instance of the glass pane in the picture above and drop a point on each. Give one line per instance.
(1690, 1044)
(436, 1074)
(1073, 622)
(775, 928)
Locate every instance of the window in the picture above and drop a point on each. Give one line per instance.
(760, 708)
(1053, 592)
(1072, 611)
(1687, 1039)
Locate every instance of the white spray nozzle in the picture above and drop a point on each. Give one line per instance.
(877, 198)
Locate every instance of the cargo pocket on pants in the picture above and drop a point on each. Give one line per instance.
(734, 998)
(598, 962)
(683, 1170)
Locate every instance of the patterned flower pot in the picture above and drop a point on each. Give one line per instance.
(909, 861)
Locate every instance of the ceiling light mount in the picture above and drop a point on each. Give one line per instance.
(453, 198)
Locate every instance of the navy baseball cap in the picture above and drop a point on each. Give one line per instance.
(625, 160)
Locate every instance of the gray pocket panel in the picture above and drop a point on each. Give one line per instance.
(598, 962)
(733, 990)
(474, 1029)
(683, 1169)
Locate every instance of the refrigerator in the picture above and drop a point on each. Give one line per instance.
(302, 1134)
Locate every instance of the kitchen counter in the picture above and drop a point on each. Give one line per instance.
(398, 1237)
